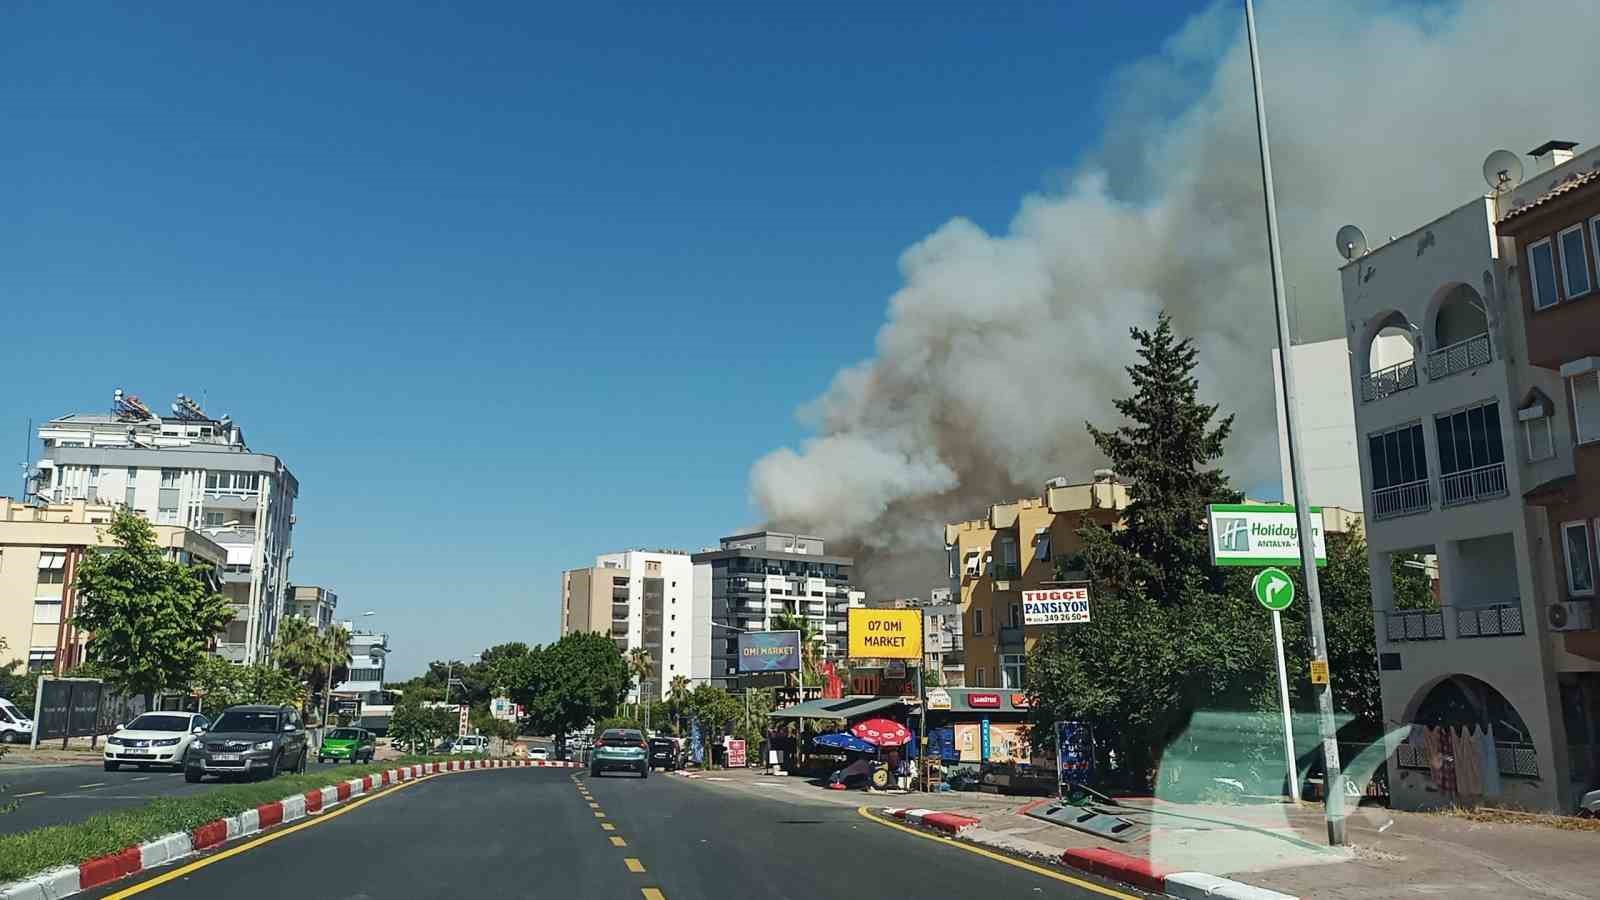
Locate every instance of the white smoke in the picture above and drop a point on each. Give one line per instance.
(998, 348)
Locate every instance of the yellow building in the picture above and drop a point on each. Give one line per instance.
(40, 548)
(994, 559)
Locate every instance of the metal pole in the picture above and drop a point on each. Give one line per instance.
(1333, 785)
(448, 671)
(1291, 761)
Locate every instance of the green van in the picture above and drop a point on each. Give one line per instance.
(348, 745)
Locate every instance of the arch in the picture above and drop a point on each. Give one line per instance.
(1456, 312)
(1459, 700)
(1385, 327)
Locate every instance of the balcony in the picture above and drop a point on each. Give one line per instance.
(234, 653)
(1473, 485)
(1459, 357)
(1380, 384)
(1005, 571)
(1415, 625)
(1011, 635)
(1497, 620)
(1401, 500)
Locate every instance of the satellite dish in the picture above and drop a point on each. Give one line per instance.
(1502, 170)
(1351, 242)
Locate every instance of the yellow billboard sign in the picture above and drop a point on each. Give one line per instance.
(885, 633)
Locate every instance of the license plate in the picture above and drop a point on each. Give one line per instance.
(226, 757)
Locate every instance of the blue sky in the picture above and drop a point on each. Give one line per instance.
(509, 285)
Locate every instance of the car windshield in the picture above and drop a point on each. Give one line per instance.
(344, 734)
(621, 736)
(154, 722)
(240, 720)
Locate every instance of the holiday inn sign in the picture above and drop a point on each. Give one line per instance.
(1261, 534)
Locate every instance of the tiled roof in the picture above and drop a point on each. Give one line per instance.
(1571, 183)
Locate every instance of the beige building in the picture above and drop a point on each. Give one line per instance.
(314, 604)
(40, 549)
(586, 596)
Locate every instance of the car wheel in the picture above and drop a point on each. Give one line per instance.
(193, 776)
(594, 771)
(112, 767)
(10, 737)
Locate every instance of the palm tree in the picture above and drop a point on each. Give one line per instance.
(335, 653)
(640, 665)
(810, 642)
(678, 688)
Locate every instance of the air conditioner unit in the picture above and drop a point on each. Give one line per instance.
(1570, 615)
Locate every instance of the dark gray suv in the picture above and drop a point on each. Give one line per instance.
(250, 741)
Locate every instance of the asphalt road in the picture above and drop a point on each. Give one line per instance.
(54, 795)
(534, 833)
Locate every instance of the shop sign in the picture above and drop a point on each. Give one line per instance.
(983, 701)
(1261, 534)
(736, 754)
(769, 651)
(1020, 701)
(1056, 606)
(885, 633)
(896, 668)
(938, 698)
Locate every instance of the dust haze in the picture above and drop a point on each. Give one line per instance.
(998, 347)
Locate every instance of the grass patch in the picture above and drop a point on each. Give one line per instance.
(32, 852)
(1501, 816)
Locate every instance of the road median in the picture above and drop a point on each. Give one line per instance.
(59, 860)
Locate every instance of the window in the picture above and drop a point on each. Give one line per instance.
(1542, 273)
(93, 492)
(1579, 551)
(977, 623)
(41, 660)
(1016, 615)
(1586, 406)
(52, 566)
(1011, 670)
(980, 678)
(1041, 544)
(1398, 457)
(127, 491)
(169, 478)
(1469, 439)
(47, 611)
(1574, 264)
(1540, 443)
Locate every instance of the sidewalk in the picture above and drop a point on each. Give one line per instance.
(50, 753)
(1274, 845)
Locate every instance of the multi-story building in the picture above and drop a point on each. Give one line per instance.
(40, 548)
(1448, 455)
(1015, 548)
(643, 599)
(191, 470)
(749, 578)
(1553, 223)
(314, 604)
(368, 652)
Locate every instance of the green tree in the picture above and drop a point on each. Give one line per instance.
(811, 642)
(151, 618)
(717, 711)
(568, 684)
(220, 684)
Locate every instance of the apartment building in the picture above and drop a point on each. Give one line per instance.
(369, 652)
(40, 548)
(314, 604)
(192, 470)
(643, 598)
(992, 560)
(1552, 221)
(748, 578)
(1448, 455)
(942, 646)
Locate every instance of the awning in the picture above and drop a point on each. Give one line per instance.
(839, 709)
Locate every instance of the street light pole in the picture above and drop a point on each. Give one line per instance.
(1333, 782)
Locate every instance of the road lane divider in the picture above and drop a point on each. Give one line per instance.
(618, 842)
(633, 864)
(68, 880)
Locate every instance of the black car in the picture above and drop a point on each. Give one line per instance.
(664, 753)
(252, 741)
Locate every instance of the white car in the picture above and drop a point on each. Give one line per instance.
(15, 726)
(472, 743)
(154, 739)
(538, 752)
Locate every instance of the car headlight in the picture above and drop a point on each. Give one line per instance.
(114, 740)
(261, 745)
(167, 742)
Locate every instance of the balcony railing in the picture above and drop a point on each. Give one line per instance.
(1459, 357)
(1489, 621)
(1003, 571)
(1380, 384)
(1401, 500)
(1473, 485)
(1010, 635)
(1415, 625)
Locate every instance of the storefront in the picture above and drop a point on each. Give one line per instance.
(793, 728)
(980, 736)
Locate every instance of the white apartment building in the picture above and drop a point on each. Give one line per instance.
(369, 651)
(1444, 464)
(191, 470)
(643, 598)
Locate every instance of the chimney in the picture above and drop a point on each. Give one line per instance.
(1550, 154)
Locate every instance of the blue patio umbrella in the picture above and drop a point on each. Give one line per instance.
(844, 741)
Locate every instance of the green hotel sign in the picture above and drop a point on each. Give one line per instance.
(1261, 534)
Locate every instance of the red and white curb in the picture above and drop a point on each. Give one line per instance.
(949, 823)
(1139, 872)
(69, 880)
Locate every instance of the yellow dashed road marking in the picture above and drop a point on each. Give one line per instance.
(599, 815)
(652, 894)
(608, 826)
(618, 842)
(633, 865)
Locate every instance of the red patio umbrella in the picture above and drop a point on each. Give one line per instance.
(881, 732)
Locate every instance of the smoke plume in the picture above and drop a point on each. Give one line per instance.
(998, 347)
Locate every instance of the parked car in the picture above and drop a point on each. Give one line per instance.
(472, 743)
(16, 727)
(620, 748)
(348, 745)
(538, 752)
(155, 738)
(665, 753)
(253, 741)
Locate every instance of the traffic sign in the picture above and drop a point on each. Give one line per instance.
(1274, 589)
